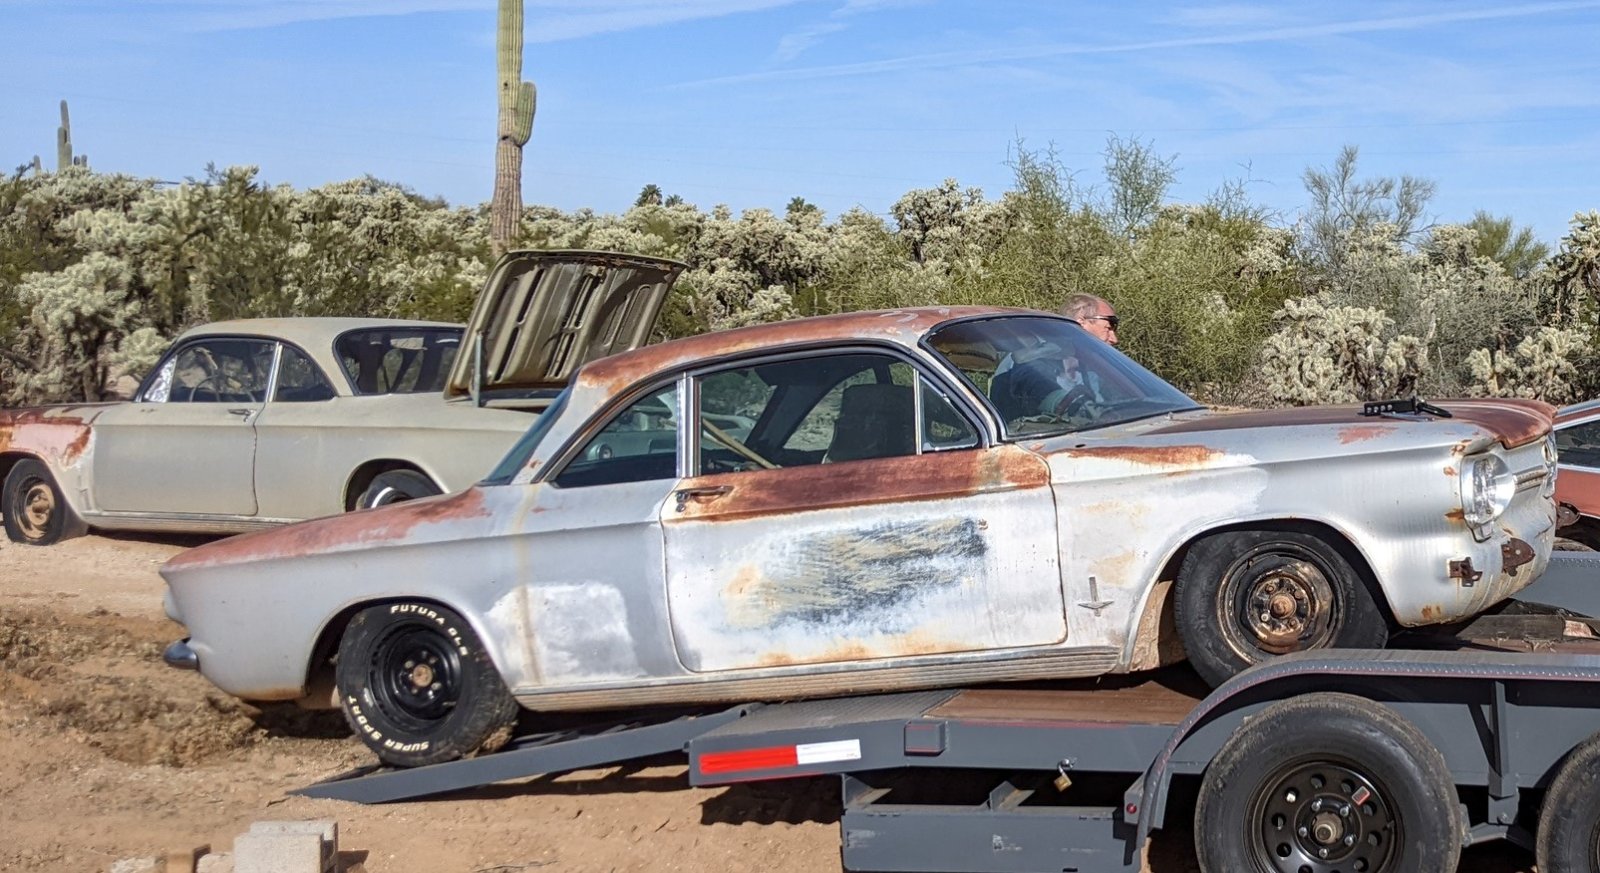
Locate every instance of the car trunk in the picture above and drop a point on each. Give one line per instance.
(544, 314)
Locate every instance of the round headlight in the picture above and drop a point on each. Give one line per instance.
(1486, 490)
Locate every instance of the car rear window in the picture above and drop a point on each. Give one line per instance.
(411, 360)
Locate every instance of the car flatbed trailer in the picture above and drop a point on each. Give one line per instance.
(1336, 760)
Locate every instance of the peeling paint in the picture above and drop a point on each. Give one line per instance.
(832, 578)
(1156, 456)
(1362, 433)
(387, 524)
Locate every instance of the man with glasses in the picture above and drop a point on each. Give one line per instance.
(1096, 316)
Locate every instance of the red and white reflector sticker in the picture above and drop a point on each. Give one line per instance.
(779, 757)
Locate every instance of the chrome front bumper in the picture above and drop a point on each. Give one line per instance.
(179, 655)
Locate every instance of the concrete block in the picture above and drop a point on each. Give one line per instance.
(215, 863)
(279, 853)
(136, 865)
(327, 828)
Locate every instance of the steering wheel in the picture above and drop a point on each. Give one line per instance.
(1076, 403)
(221, 380)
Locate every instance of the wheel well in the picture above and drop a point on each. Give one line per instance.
(1327, 533)
(9, 460)
(362, 478)
(319, 670)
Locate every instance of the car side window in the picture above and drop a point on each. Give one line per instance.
(640, 444)
(1579, 445)
(822, 410)
(299, 379)
(222, 370)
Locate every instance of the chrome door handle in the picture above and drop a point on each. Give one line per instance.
(702, 492)
(244, 412)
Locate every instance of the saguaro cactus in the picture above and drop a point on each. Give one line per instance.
(64, 156)
(517, 102)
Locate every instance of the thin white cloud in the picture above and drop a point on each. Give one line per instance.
(546, 20)
(793, 44)
(1273, 34)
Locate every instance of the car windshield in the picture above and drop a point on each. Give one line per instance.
(518, 457)
(1046, 375)
(407, 360)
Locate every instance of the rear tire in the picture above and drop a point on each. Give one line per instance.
(396, 486)
(1326, 782)
(1569, 821)
(1245, 596)
(36, 513)
(418, 688)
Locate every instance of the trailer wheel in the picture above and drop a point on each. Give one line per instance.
(35, 511)
(417, 686)
(1244, 596)
(1327, 782)
(1569, 822)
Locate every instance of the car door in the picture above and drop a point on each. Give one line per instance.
(186, 445)
(300, 470)
(860, 517)
(1578, 482)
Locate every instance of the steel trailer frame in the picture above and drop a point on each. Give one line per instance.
(1503, 721)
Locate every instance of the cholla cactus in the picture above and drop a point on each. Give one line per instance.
(722, 295)
(1337, 354)
(1550, 365)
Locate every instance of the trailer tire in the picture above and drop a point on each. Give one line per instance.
(1328, 773)
(1569, 821)
(1244, 596)
(417, 686)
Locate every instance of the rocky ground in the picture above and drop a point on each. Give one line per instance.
(105, 754)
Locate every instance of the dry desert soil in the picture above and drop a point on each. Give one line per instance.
(105, 754)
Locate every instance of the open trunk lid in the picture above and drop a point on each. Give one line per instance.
(544, 314)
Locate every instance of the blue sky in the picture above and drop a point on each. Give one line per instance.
(843, 102)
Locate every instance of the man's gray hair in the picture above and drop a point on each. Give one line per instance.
(1081, 306)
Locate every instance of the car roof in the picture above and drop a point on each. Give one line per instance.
(311, 333)
(901, 326)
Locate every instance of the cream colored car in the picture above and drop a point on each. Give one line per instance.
(245, 424)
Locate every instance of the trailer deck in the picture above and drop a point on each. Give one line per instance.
(1072, 776)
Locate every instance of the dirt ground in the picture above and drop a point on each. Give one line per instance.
(105, 753)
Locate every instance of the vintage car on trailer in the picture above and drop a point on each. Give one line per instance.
(245, 424)
(1577, 432)
(928, 497)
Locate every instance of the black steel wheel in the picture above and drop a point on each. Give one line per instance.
(35, 511)
(1569, 821)
(1328, 783)
(1245, 596)
(417, 686)
(396, 486)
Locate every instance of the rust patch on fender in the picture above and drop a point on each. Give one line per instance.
(1156, 642)
(859, 483)
(1513, 422)
(1363, 432)
(1432, 614)
(1155, 456)
(382, 525)
(1456, 515)
(1450, 471)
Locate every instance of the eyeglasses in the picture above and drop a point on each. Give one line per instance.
(1111, 320)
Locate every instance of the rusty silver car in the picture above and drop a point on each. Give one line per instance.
(253, 423)
(914, 498)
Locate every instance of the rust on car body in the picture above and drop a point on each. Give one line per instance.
(1513, 422)
(1362, 432)
(909, 478)
(339, 532)
(59, 435)
(618, 372)
(1187, 456)
(1513, 554)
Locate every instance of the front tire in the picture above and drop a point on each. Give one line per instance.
(1569, 821)
(418, 687)
(1327, 782)
(36, 513)
(1244, 596)
(396, 486)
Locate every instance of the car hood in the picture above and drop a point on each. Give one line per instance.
(544, 314)
(1511, 422)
